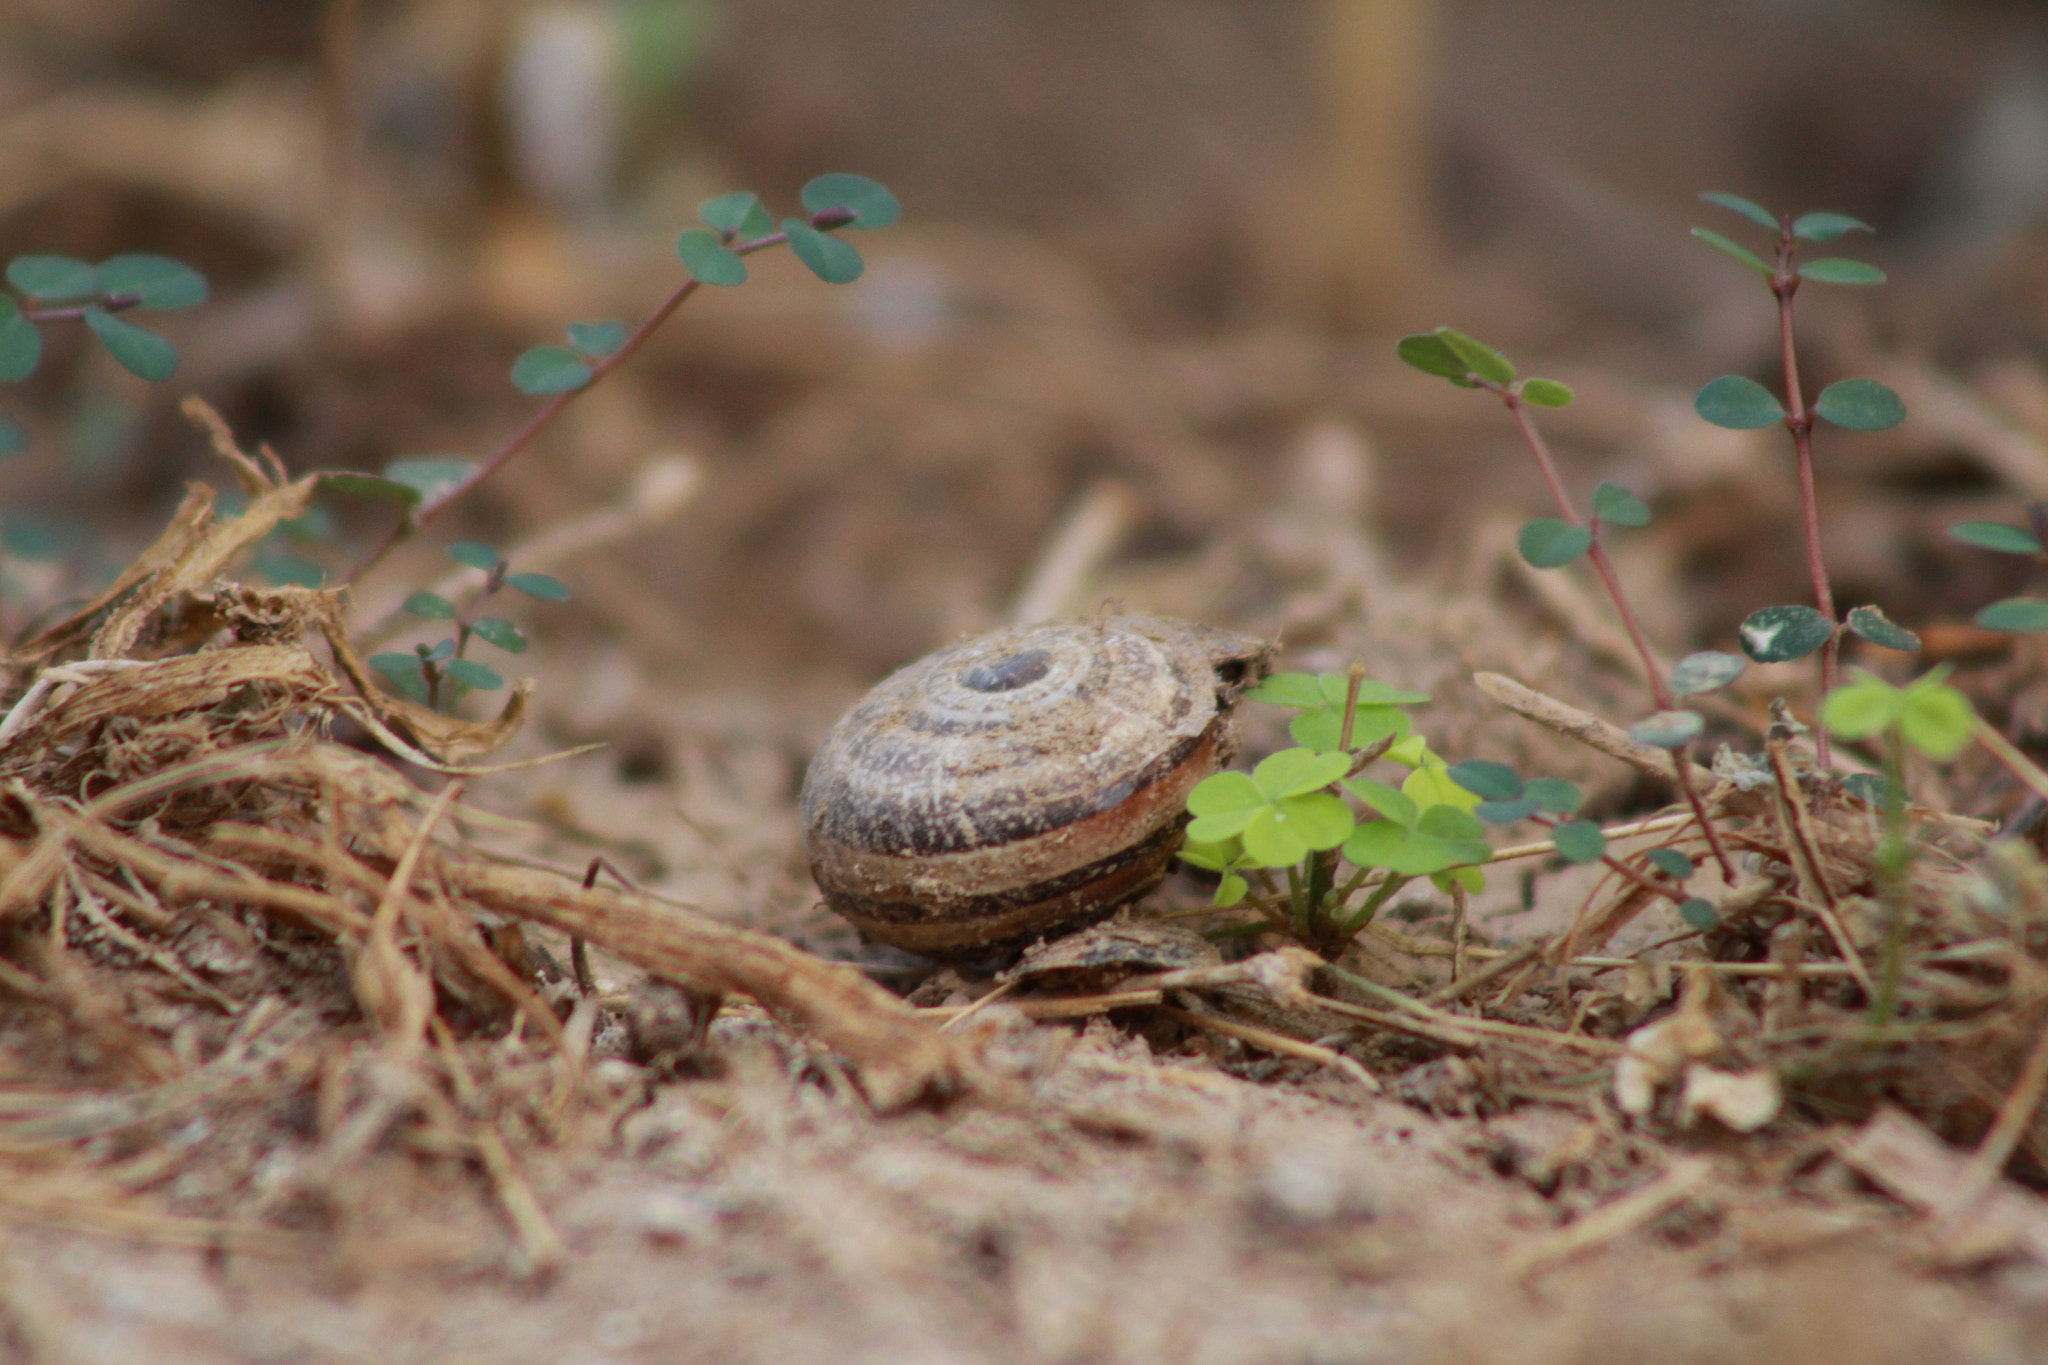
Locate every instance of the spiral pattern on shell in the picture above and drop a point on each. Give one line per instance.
(1021, 782)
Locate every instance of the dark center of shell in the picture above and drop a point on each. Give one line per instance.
(1007, 675)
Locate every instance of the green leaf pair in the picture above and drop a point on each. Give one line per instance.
(153, 281)
(1469, 363)
(1927, 713)
(1741, 404)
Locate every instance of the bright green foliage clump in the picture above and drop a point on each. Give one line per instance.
(1926, 715)
(1291, 812)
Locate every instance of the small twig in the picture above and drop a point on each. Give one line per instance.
(1275, 1042)
(1088, 534)
(1803, 851)
(1493, 971)
(432, 507)
(2015, 1116)
(1684, 1179)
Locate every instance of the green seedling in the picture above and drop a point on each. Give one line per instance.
(735, 226)
(49, 290)
(2020, 615)
(438, 673)
(1294, 813)
(1783, 633)
(1925, 717)
(1553, 542)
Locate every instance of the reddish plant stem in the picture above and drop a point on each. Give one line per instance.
(111, 303)
(1660, 690)
(1799, 421)
(1668, 891)
(520, 439)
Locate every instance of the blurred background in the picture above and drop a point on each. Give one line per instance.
(1133, 341)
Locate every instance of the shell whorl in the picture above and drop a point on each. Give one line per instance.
(1021, 781)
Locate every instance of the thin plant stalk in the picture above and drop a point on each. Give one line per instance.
(1660, 690)
(430, 508)
(1799, 421)
(1322, 866)
(1894, 856)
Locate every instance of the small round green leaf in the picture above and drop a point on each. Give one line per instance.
(1289, 689)
(1936, 719)
(1706, 671)
(1670, 862)
(1375, 843)
(1735, 249)
(435, 653)
(470, 673)
(474, 554)
(137, 350)
(13, 437)
(597, 339)
(1547, 393)
(432, 606)
(1776, 635)
(1873, 625)
(26, 535)
(740, 213)
(429, 476)
(1840, 270)
(1755, 212)
(402, 671)
(1487, 780)
(1699, 914)
(1985, 535)
(1861, 405)
(1292, 772)
(1554, 794)
(2021, 615)
(539, 585)
(1322, 727)
(1221, 794)
(1579, 841)
(870, 202)
(53, 278)
(1549, 543)
(1394, 804)
(831, 260)
(1448, 822)
(1825, 227)
(1614, 504)
(1668, 729)
(1479, 357)
(1427, 352)
(158, 281)
(1506, 812)
(502, 633)
(709, 259)
(1320, 820)
(285, 569)
(1737, 403)
(21, 343)
(1862, 708)
(549, 369)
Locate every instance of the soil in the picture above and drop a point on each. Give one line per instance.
(1113, 356)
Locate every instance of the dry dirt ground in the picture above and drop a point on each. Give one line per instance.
(1093, 366)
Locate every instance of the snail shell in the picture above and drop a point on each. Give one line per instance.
(1024, 781)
